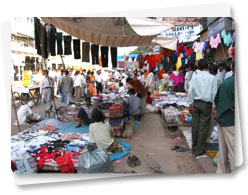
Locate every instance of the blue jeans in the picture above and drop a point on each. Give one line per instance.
(62, 95)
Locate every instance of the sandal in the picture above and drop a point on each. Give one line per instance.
(136, 160)
(181, 149)
(175, 147)
(130, 162)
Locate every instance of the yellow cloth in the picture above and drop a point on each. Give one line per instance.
(179, 61)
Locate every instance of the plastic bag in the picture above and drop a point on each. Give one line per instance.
(96, 161)
(25, 164)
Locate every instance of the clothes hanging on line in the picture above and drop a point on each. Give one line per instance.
(226, 37)
(76, 49)
(214, 42)
(67, 45)
(86, 52)
(37, 35)
(53, 40)
(59, 38)
(104, 56)
(95, 54)
(114, 56)
(44, 42)
(198, 46)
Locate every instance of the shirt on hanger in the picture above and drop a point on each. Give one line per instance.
(214, 42)
(226, 37)
(198, 46)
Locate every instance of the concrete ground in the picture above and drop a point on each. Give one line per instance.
(151, 143)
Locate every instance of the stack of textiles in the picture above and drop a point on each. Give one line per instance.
(116, 120)
(69, 114)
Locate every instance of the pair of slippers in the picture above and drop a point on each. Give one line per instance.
(179, 148)
(133, 161)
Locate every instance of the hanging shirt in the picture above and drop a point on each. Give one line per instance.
(198, 46)
(214, 42)
(203, 86)
(226, 37)
(188, 51)
(179, 61)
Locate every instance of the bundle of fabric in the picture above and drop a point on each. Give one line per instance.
(105, 105)
(48, 125)
(69, 114)
(116, 111)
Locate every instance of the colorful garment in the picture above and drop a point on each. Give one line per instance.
(179, 61)
(198, 46)
(226, 37)
(214, 42)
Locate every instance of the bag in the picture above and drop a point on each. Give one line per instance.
(96, 161)
(25, 164)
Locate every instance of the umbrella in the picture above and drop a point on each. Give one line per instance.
(110, 31)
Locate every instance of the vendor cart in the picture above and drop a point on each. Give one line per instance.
(25, 94)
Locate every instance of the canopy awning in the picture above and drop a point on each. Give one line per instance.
(168, 43)
(110, 31)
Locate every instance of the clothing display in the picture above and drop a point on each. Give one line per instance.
(104, 56)
(86, 52)
(113, 51)
(198, 46)
(226, 37)
(140, 59)
(53, 32)
(214, 42)
(188, 51)
(76, 49)
(95, 53)
(37, 35)
(59, 38)
(67, 45)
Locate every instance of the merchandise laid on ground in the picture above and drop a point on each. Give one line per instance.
(157, 109)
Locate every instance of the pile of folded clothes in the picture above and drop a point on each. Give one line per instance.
(116, 120)
(69, 114)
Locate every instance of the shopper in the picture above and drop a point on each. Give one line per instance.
(100, 133)
(201, 94)
(66, 85)
(176, 78)
(59, 78)
(225, 106)
(46, 90)
(148, 98)
(221, 73)
(121, 90)
(133, 104)
(150, 82)
(188, 77)
(99, 80)
(85, 113)
(78, 84)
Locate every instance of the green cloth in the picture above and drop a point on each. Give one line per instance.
(225, 102)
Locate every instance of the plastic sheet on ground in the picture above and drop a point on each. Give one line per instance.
(117, 156)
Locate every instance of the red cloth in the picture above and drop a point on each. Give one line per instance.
(139, 88)
(151, 60)
(115, 107)
(188, 51)
(160, 74)
(179, 48)
(148, 100)
(65, 163)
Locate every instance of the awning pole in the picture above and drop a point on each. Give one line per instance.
(13, 102)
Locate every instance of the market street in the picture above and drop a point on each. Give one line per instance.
(151, 143)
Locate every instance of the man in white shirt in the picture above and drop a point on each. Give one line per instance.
(117, 75)
(221, 74)
(46, 90)
(202, 91)
(121, 90)
(24, 113)
(99, 82)
(78, 84)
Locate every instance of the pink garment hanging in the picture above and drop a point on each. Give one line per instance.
(198, 46)
(214, 42)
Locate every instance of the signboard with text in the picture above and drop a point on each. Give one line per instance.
(181, 21)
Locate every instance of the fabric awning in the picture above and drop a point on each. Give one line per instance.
(168, 43)
(110, 31)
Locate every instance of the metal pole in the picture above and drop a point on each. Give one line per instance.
(19, 128)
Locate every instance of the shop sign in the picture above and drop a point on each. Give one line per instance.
(26, 81)
(181, 21)
(183, 33)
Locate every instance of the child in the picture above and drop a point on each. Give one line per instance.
(148, 98)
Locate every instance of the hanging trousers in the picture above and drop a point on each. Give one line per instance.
(67, 45)
(52, 41)
(200, 126)
(76, 49)
(114, 56)
(37, 35)
(86, 52)
(59, 44)
(95, 54)
(104, 56)
(44, 50)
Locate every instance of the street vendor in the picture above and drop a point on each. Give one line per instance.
(25, 113)
(133, 104)
(85, 113)
(100, 133)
